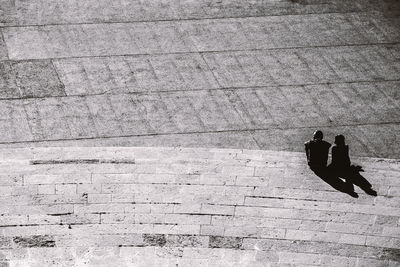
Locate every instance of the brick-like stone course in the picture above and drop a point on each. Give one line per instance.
(114, 207)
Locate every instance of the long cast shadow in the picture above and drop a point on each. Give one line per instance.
(351, 176)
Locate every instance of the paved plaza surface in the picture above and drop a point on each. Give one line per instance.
(179, 125)
(190, 207)
(231, 74)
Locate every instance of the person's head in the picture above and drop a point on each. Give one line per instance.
(339, 140)
(318, 135)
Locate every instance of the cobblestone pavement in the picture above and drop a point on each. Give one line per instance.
(231, 74)
(190, 207)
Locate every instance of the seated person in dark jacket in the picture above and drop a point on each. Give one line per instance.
(342, 167)
(340, 156)
(317, 152)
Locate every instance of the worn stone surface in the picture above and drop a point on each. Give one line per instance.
(233, 74)
(61, 41)
(34, 241)
(276, 117)
(190, 206)
(48, 12)
(3, 48)
(192, 71)
(27, 79)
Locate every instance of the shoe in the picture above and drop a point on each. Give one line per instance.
(371, 192)
(353, 194)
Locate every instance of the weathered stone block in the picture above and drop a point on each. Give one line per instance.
(225, 242)
(187, 241)
(35, 241)
(37, 79)
(158, 240)
(8, 85)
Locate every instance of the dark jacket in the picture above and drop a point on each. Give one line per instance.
(317, 152)
(340, 157)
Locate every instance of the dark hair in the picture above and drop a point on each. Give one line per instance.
(318, 135)
(339, 140)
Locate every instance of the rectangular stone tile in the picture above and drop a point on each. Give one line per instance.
(103, 115)
(210, 113)
(37, 79)
(8, 12)
(100, 208)
(377, 28)
(101, 240)
(186, 241)
(89, 76)
(96, 229)
(73, 75)
(11, 180)
(155, 111)
(35, 241)
(14, 123)
(30, 231)
(354, 228)
(3, 47)
(12, 220)
(182, 112)
(387, 242)
(43, 219)
(130, 115)
(27, 45)
(228, 109)
(217, 209)
(78, 117)
(325, 237)
(45, 117)
(176, 229)
(243, 221)
(57, 179)
(216, 35)
(54, 209)
(134, 74)
(8, 85)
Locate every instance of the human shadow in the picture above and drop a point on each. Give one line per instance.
(333, 176)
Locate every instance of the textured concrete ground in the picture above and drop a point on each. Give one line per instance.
(258, 74)
(190, 207)
(234, 74)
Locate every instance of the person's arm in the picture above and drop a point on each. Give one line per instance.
(334, 155)
(307, 148)
(347, 156)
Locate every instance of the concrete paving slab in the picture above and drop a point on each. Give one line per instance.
(134, 74)
(3, 48)
(14, 121)
(259, 73)
(37, 79)
(281, 111)
(190, 36)
(8, 84)
(47, 12)
(85, 76)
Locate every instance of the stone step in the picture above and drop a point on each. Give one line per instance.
(190, 206)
